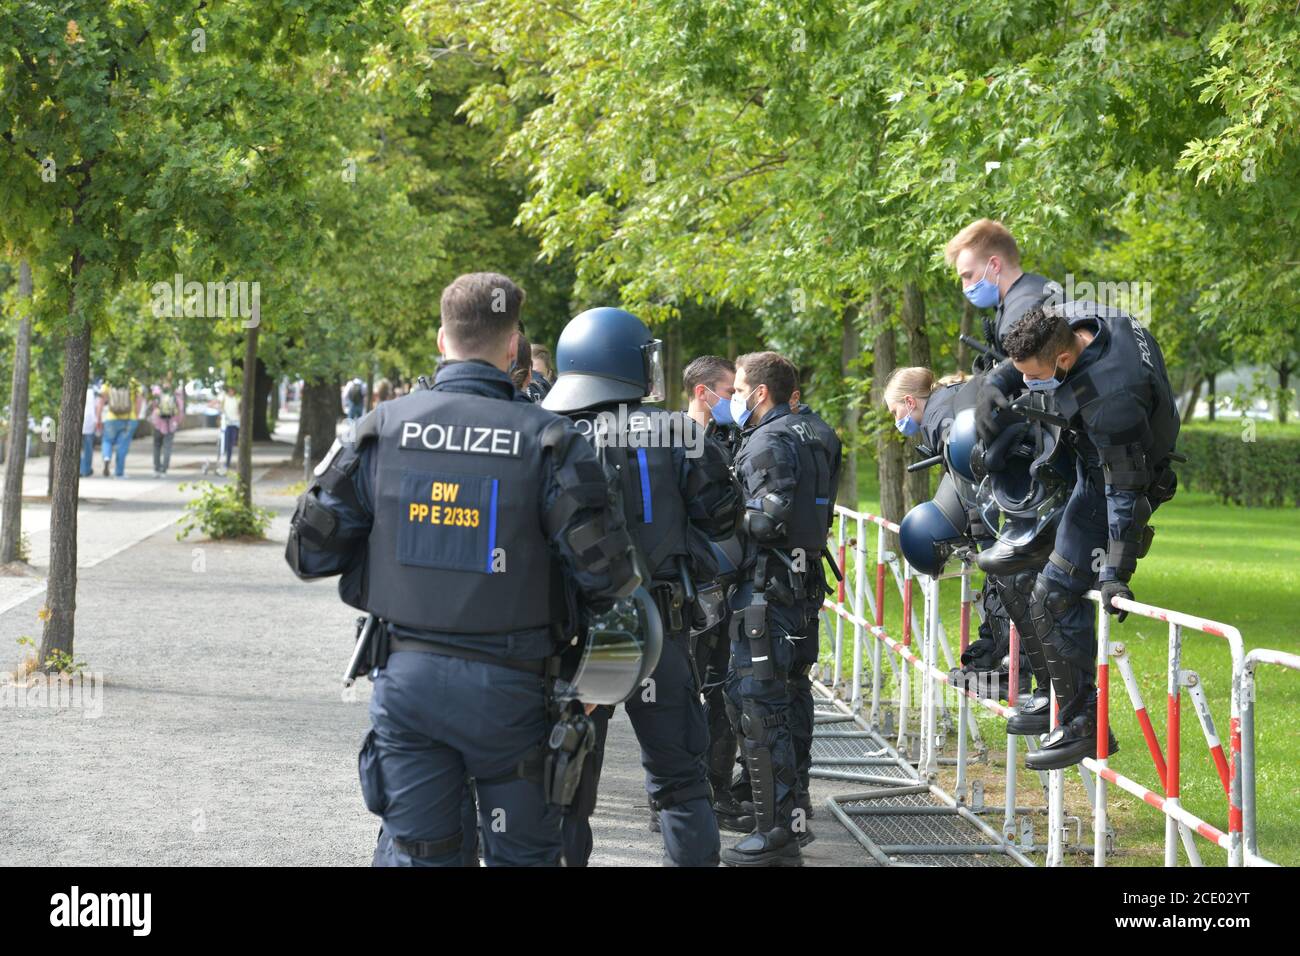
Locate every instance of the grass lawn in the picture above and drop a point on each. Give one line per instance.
(1240, 566)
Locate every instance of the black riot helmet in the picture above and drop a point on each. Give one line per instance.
(605, 356)
(930, 532)
(1026, 482)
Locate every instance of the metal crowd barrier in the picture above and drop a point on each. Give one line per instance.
(1236, 769)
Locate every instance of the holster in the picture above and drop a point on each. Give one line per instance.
(571, 739)
(670, 597)
(754, 622)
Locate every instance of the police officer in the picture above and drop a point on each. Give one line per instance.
(709, 381)
(925, 406)
(802, 711)
(987, 261)
(1107, 376)
(786, 477)
(457, 517)
(677, 494)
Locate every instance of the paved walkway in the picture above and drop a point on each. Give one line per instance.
(223, 735)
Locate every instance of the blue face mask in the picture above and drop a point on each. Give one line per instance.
(1043, 384)
(740, 410)
(983, 294)
(908, 425)
(721, 409)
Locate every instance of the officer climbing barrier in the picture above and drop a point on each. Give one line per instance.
(905, 816)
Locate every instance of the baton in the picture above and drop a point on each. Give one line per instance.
(363, 641)
(980, 347)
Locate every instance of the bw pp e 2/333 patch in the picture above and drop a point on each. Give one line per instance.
(447, 521)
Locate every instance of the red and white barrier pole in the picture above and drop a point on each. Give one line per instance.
(839, 620)
(1192, 681)
(1103, 740)
(1140, 709)
(1013, 694)
(963, 705)
(876, 676)
(859, 600)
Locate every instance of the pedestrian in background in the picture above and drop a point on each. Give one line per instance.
(166, 412)
(354, 399)
(89, 426)
(119, 410)
(383, 391)
(230, 413)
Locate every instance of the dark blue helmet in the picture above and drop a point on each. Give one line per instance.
(961, 442)
(929, 532)
(605, 356)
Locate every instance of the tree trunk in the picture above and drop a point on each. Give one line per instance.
(61, 586)
(850, 354)
(1283, 399)
(1190, 408)
(274, 415)
(11, 510)
(248, 413)
(261, 400)
(967, 328)
(916, 484)
(1212, 393)
(319, 411)
(889, 453)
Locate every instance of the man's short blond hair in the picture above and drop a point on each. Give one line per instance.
(985, 237)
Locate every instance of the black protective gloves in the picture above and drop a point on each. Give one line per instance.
(1110, 589)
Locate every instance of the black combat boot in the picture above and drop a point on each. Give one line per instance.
(1073, 739)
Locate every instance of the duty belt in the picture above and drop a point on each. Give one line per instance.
(538, 667)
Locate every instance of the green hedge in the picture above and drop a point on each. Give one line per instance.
(1227, 460)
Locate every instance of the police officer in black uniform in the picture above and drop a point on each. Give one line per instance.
(677, 494)
(802, 711)
(1107, 377)
(786, 477)
(987, 261)
(709, 381)
(468, 521)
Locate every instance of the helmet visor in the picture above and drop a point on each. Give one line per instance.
(652, 354)
(1016, 526)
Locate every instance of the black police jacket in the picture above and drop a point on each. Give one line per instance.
(674, 482)
(458, 513)
(1120, 406)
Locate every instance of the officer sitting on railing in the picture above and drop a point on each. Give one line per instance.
(1107, 376)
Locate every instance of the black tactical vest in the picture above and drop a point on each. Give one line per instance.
(940, 409)
(1132, 363)
(811, 499)
(636, 444)
(457, 543)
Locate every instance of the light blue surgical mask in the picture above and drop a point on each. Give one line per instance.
(908, 425)
(983, 294)
(721, 409)
(1043, 384)
(740, 410)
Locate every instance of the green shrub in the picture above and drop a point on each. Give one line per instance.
(219, 512)
(1242, 461)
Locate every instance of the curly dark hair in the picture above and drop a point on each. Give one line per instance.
(1039, 334)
